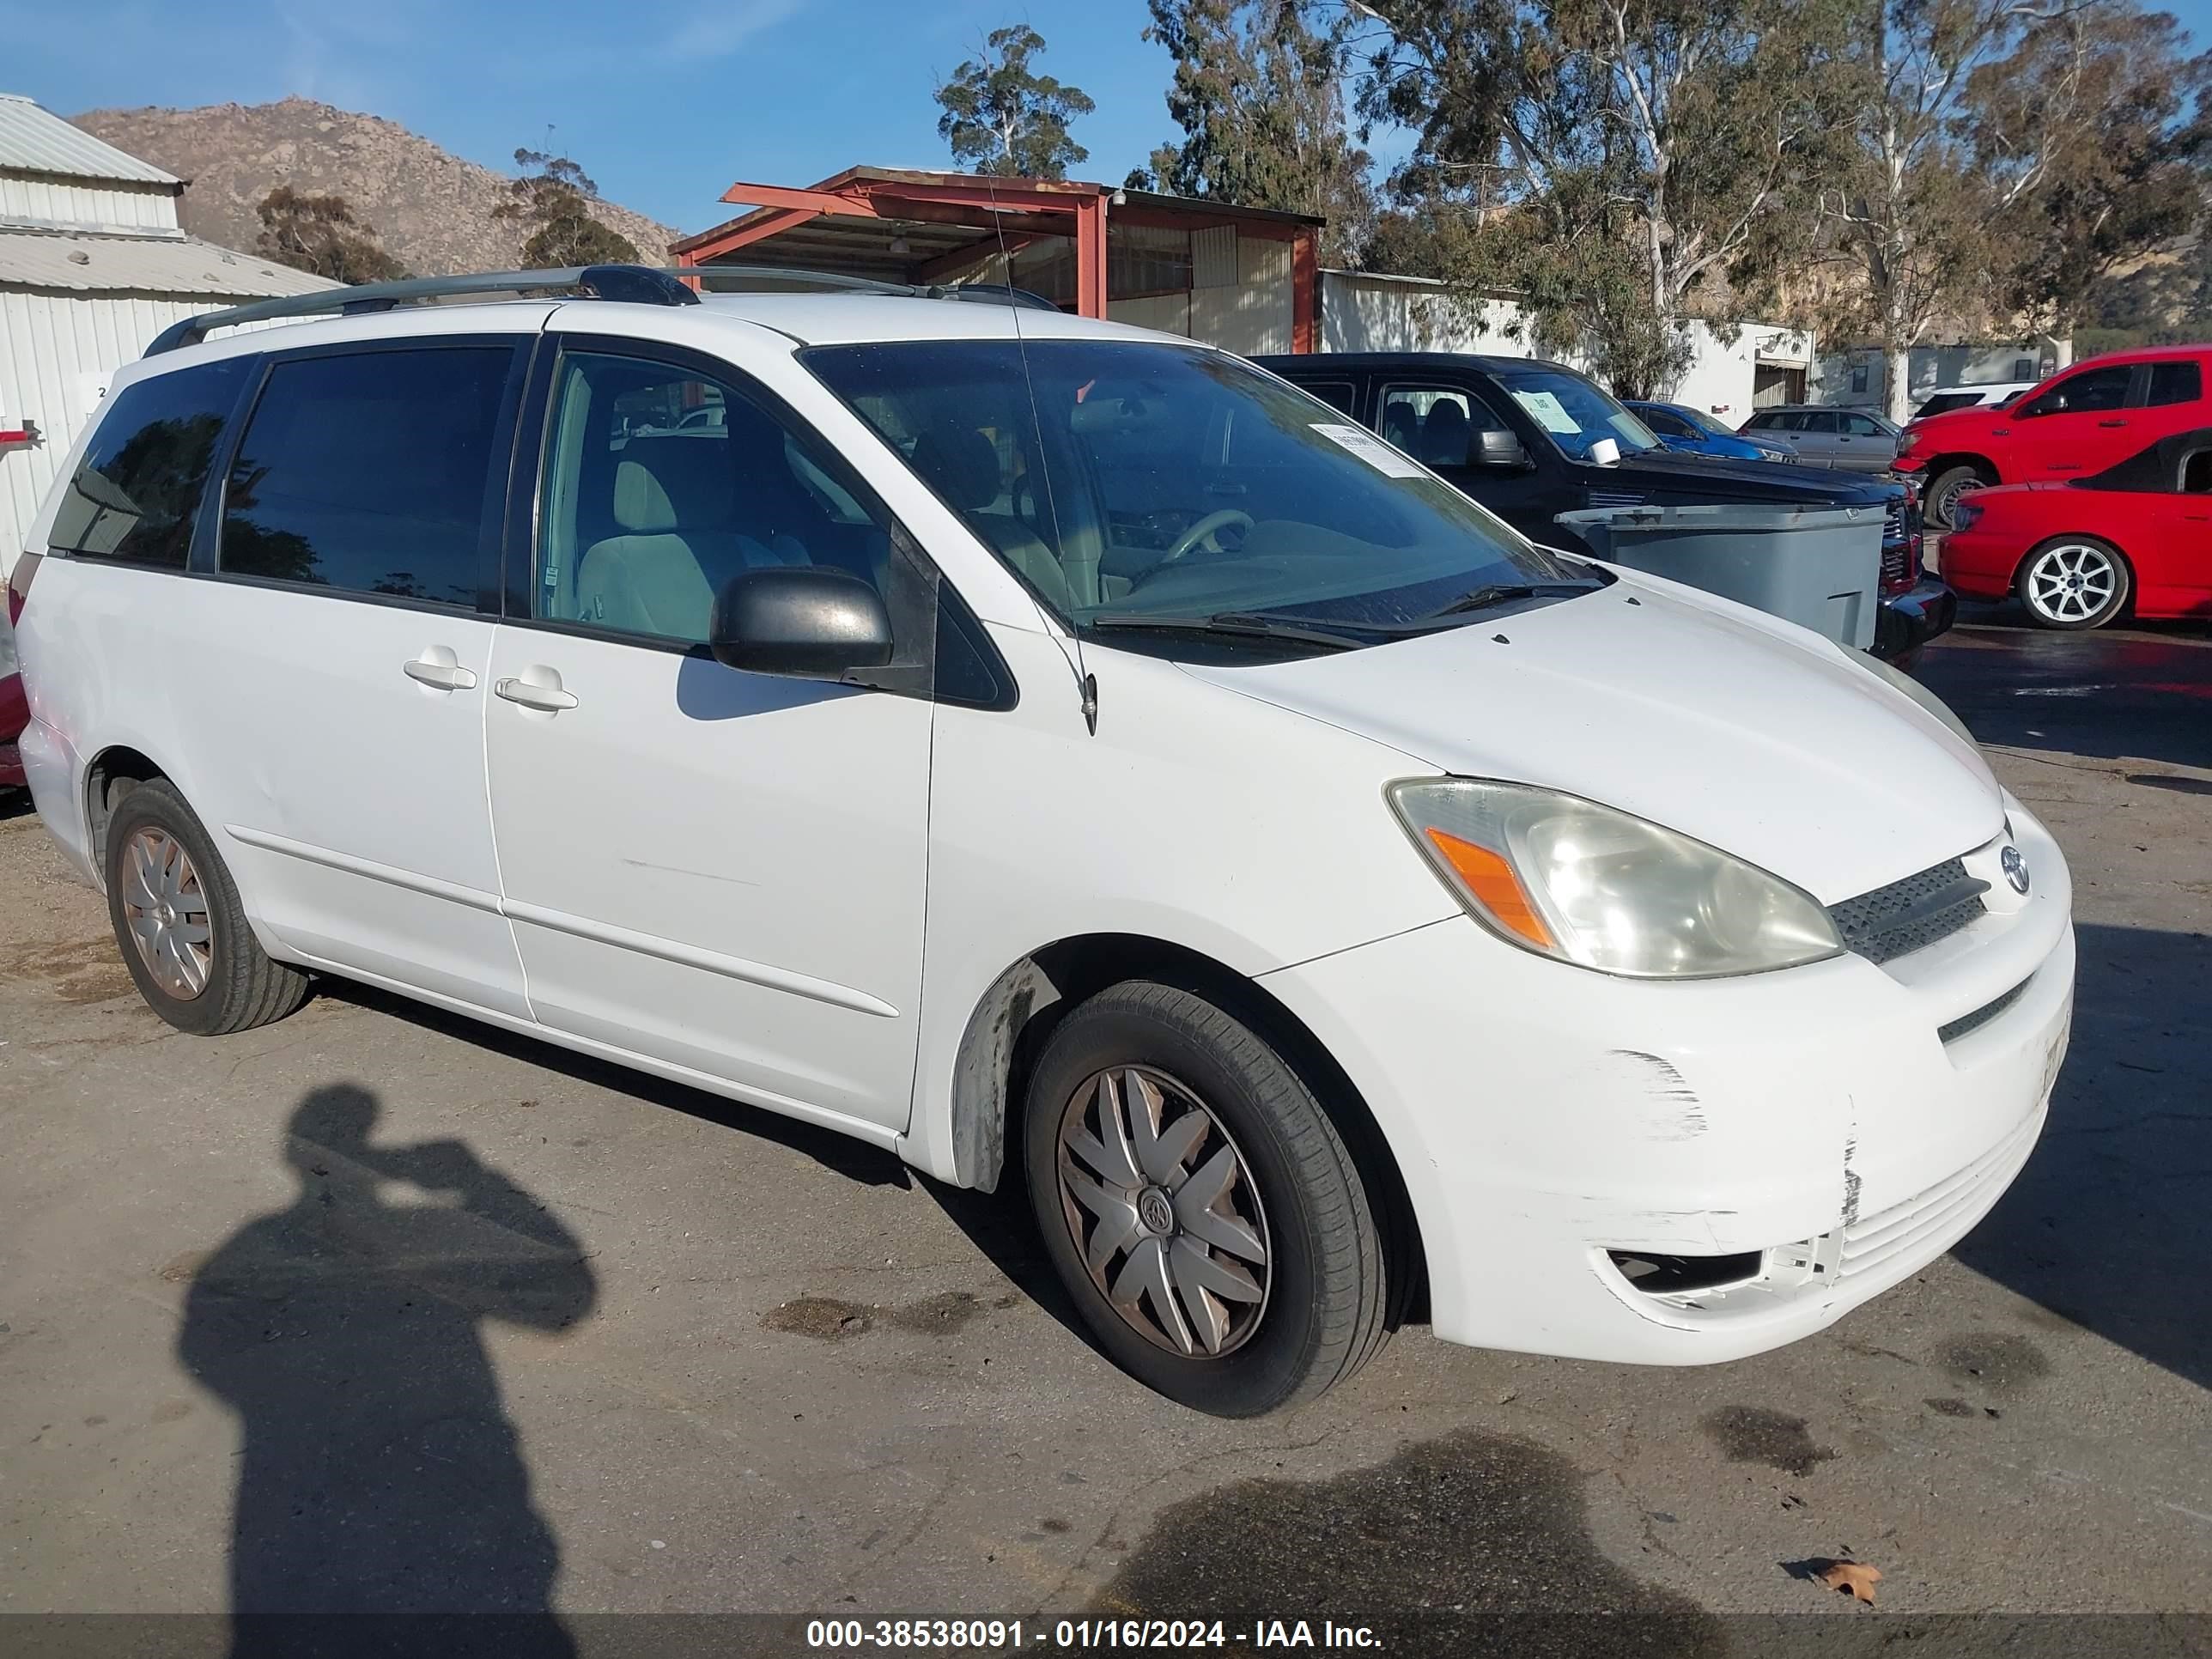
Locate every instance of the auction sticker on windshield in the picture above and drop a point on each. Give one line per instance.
(1370, 449)
(1548, 410)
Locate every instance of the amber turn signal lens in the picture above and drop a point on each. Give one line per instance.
(1493, 884)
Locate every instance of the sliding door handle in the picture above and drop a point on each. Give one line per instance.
(439, 669)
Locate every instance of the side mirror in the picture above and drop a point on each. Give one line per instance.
(1494, 446)
(807, 621)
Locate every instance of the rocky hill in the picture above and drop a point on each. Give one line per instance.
(432, 209)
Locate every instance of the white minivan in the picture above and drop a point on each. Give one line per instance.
(1035, 745)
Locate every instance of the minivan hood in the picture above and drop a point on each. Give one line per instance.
(1750, 735)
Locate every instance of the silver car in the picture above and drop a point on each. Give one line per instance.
(1857, 439)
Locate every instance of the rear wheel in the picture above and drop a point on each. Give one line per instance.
(176, 918)
(1944, 490)
(2074, 582)
(1204, 1212)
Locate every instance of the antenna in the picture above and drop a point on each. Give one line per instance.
(1086, 682)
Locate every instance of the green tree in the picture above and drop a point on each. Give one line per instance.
(2096, 101)
(551, 201)
(1002, 116)
(1626, 162)
(1911, 221)
(320, 234)
(1258, 92)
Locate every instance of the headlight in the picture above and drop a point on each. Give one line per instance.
(1909, 441)
(1919, 694)
(1568, 878)
(1963, 516)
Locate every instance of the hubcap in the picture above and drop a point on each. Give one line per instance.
(2072, 583)
(1941, 509)
(1163, 1210)
(167, 913)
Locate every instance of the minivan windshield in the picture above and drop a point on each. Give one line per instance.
(1573, 413)
(1127, 480)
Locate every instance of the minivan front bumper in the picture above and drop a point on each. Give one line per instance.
(1813, 1135)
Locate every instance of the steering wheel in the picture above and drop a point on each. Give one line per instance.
(1205, 530)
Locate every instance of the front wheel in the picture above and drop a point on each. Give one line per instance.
(2074, 582)
(1203, 1211)
(1944, 490)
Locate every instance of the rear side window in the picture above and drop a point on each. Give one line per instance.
(1337, 394)
(134, 497)
(2175, 383)
(1777, 421)
(371, 472)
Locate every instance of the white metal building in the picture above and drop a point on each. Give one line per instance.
(92, 265)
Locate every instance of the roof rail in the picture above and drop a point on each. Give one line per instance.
(663, 285)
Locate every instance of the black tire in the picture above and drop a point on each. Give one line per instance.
(2092, 558)
(1325, 1313)
(1945, 488)
(244, 986)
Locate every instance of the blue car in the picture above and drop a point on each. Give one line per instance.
(1678, 426)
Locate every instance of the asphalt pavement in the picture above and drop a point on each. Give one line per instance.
(377, 1308)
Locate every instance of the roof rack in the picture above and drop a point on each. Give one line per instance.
(661, 285)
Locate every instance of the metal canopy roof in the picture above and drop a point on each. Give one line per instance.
(33, 140)
(143, 265)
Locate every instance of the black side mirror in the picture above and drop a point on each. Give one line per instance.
(1494, 446)
(808, 620)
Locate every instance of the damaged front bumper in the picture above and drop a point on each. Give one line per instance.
(1675, 1173)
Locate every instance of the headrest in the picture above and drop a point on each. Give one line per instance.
(959, 463)
(672, 481)
(1444, 435)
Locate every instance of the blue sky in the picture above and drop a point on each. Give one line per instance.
(664, 102)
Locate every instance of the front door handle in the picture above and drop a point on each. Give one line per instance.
(440, 670)
(536, 687)
(2112, 423)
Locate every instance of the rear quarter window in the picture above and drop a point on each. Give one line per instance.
(134, 496)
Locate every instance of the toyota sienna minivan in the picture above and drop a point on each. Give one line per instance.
(1056, 753)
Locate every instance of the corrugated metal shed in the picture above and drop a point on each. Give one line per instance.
(111, 264)
(34, 140)
(92, 267)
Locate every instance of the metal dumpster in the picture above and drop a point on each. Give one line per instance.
(1818, 567)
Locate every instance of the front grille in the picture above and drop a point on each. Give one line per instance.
(1910, 914)
(1870, 1242)
(1897, 562)
(1981, 1015)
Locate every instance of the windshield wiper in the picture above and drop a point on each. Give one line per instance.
(1244, 624)
(1491, 595)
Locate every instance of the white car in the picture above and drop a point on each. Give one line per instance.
(1945, 398)
(1059, 752)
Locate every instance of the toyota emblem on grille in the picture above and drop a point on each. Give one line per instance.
(2015, 869)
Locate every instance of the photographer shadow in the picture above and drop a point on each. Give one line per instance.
(379, 1472)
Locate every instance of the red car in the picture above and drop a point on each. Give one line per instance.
(2092, 417)
(15, 715)
(2080, 552)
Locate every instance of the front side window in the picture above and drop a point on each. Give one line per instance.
(2175, 383)
(1173, 481)
(371, 472)
(134, 496)
(1573, 413)
(1434, 425)
(2088, 392)
(1337, 394)
(663, 483)
(1861, 426)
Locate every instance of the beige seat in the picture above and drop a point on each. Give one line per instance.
(962, 466)
(675, 498)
